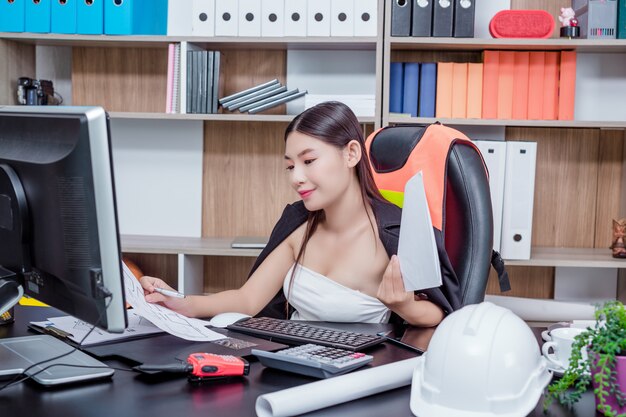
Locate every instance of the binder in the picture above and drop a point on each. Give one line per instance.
(396, 87)
(170, 78)
(550, 86)
(318, 20)
(342, 18)
(295, 18)
(90, 17)
(621, 19)
(269, 99)
(250, 18)
(12, 16)
(506, 69)
(517, 208)
(443, 13)
(494, 155)
(366, 18)
(490, 84)
(226, 18)
(277, 102)
(400, 17)
(201, 15)
(459, 90)
(536, 63)
(474, 90)
(37, 16)
(411, 88)
(63, 16)
(225, 100)
(443, 102)
(567, 85)
(428, 87)
(217, 62)
(272, 17)
(186, 76)
(135, 17)
(422, 24)
(520, 86)
(464, 11)
(181, 16)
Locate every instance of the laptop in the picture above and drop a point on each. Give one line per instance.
(19, 353)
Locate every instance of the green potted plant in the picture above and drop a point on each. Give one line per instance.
(604, 368)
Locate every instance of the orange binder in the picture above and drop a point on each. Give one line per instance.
(474, 91)
(459, 90)
(567, 85)
(506, 69)
(520, 86)
(551, 86)
(536, 65)
(490, 84)
(443, 106)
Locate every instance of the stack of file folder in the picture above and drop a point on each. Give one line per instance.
(260, 97)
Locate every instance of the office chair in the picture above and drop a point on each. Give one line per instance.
(466, 216)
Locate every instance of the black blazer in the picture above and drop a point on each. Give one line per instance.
(388, 216)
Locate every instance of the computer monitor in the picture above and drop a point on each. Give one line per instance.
(58, 224)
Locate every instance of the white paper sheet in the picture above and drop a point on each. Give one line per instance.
(337, 390)
(164, 318)
(417, 249)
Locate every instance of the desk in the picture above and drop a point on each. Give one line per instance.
(129, 394)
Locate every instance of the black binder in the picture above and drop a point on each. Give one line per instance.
(464, 18)
(443, 15)
(422, 18)
(401, 17)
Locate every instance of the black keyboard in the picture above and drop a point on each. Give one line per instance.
(301, 333)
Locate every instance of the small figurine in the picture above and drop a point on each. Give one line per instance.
(619, 233)
(569, 28)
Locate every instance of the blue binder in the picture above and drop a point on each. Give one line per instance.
(135, 17)
(37, 16)
(428, 89)
(90, 17)
(63, 15)
(12, 16)
(396, 87)
(411, 88)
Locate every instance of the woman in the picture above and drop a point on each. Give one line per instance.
(333, 253)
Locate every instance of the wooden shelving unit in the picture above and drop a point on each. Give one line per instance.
(575, 124)
(278, 118)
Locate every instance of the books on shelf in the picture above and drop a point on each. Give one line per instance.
(260, 97)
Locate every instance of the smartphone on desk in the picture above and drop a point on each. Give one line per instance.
(410, 337)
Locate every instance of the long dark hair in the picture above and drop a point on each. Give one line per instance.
(334, 123)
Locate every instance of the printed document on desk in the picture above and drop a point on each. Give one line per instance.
(164, 318)
(417, 249)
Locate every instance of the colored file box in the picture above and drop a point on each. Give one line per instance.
(536, 64)
(37, 16)
(396, 87)
(428, 87)
(520, 86)
(551, 86)
(567, 85)
(491, 60)
(63, 15)
(443, 103)
(12, 16)
(90, 17)
(459, 90)
(411, 88)
(506, 70)
(135, 17)
(474, 91)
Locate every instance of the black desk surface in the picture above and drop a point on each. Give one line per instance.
(130, 394)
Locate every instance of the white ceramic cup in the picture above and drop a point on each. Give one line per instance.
(560, 341)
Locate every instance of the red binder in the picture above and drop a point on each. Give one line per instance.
(567, 85)
(490, 84)
(520, 86)
(536, 65)
(551, 86)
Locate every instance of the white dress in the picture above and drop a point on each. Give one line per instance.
(316, 297)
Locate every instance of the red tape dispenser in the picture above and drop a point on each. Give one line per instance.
(203, 366)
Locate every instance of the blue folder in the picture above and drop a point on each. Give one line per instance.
(63, 15)
(396, 81)
(411, 88)
(428, 89)
(90, 17)
(12, 16)
(135, 17)
(37, 16)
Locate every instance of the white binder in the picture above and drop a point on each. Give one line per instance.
(494, 154)
(203, 18)
(179, 17)
(295, 18)
(365, 17)
(226, 17)
(318, 18)
(519, 191)
(250, 18)
(342, 18)
(272, 17)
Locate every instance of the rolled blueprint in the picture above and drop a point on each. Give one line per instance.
(531, 309)
(337, 390)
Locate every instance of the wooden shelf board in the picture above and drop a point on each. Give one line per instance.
(156, 41)
(211, 246)
(217, 117)
(582, 124)
(476, 44)
(570, 257)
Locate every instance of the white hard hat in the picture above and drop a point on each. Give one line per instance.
(483, 360)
